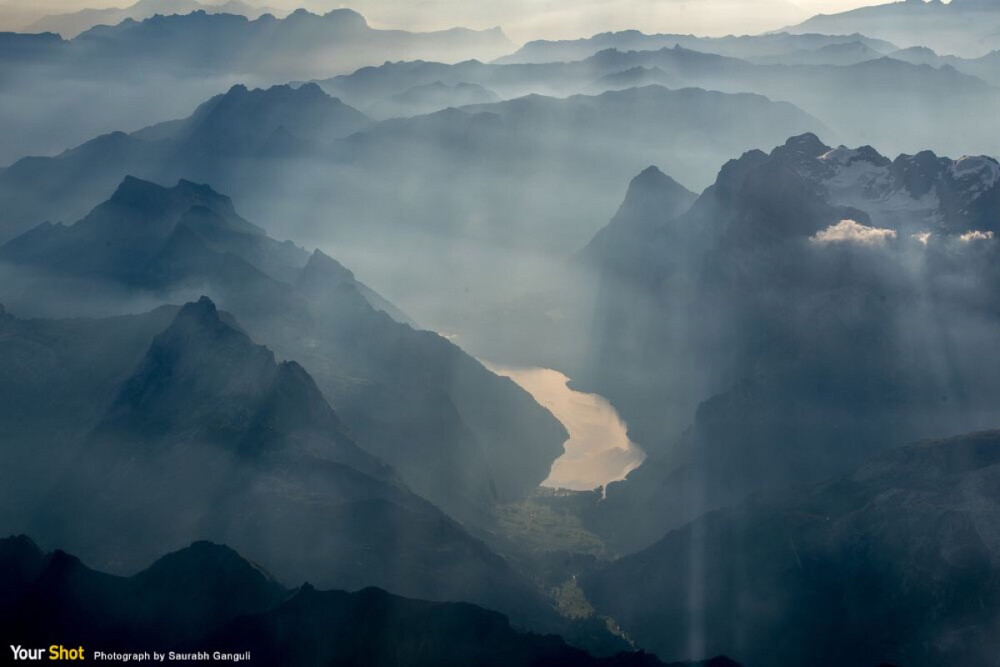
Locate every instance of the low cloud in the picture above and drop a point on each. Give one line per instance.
(976, 235)
(851, 231)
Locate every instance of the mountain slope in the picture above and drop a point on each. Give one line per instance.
(431, 97)
(895, 562)
(57, 378)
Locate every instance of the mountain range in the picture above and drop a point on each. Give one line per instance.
(984, 67)
(71, 24)
(299, 45)
(139, 72)
(206, 597)
(968, 28)
(451, 172)
(859, 94)
(749, 47)
(406, 395)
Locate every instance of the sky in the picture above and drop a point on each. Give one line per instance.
(523, 20)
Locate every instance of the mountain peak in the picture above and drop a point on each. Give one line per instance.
(19, 545)
(202, 312)
(807, 144)
(60, 563)
(653, 198)
(185, 186)
(348, 17)
(650, 172)
(207, 561)
(134, 190)
(201, 376)
(653, 188)
(324, 271)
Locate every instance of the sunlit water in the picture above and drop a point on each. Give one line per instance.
(598, 450)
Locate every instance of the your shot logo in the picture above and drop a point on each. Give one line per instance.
(54, 652)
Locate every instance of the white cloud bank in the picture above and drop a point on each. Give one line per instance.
(851, 231)
(976, 235)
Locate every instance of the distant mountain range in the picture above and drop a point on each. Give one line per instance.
(774, 46)
(206, 597)
(969, 28)
(850, 86)
(298, 46)
(72, 24)
(986, 67)
(139, 72)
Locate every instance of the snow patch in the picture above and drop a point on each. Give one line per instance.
(985, 169)
(841, 155)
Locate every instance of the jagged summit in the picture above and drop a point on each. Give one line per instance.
(844, 156)
(910, 194)
(141, 194)
(201, 314)
(241, 121)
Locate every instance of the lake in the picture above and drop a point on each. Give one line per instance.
(598, 450)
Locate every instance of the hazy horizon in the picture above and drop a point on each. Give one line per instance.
(522, 20)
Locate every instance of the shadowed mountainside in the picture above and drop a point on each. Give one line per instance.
(895, 562)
